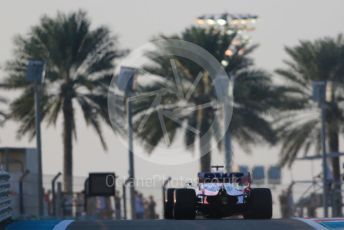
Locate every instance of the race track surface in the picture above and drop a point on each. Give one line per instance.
(223, 224)
(191, 225)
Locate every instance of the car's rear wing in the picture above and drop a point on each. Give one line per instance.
(222, 177)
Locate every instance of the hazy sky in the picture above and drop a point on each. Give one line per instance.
(281, 23)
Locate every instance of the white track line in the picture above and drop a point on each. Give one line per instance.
(314, 224)
(63, 225)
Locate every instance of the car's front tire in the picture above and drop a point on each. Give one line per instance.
(259, 204)
(184, 204)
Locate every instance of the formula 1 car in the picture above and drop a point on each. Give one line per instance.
(219, 194)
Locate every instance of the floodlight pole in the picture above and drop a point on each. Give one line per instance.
(35, 74)
(324, 158)
(126, 84)
(38, 89)
(227, 117)
(131, 157)
(228, 143)
(222, 86)
(319, 95)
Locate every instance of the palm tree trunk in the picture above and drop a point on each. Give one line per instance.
(334, 147)
(68, 145)
(205, 162)
(205, 146)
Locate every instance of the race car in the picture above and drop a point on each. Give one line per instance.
(219, 194)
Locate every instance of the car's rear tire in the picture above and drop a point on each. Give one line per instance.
(168, 209)
(259, 204)
(184, 204)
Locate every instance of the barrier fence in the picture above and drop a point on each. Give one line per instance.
(5, 199)
(301, 199)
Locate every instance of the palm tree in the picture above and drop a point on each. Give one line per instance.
(299, 128)
(254, 97)
(80, 61)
